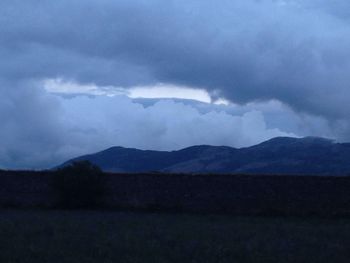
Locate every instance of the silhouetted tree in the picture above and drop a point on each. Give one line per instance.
(79, 185)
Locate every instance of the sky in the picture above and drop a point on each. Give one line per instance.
(80, 76)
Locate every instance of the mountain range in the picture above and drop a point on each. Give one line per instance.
(280, 155)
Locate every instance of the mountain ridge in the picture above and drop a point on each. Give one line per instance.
(279, 155)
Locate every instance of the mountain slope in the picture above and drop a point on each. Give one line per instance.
(281, 155)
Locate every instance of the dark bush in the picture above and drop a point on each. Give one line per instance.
(79, 185)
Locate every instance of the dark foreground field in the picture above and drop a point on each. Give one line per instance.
(253, 195)
(92, 236)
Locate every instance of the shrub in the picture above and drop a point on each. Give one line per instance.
(79, 185)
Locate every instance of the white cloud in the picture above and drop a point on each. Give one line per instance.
(159, 91)
(166, 125)
(60, 86)
(170, 91)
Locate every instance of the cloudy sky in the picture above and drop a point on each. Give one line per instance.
(80, 76)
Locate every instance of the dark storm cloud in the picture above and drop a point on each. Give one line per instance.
(293, 51)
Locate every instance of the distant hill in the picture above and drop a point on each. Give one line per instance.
(281, 155)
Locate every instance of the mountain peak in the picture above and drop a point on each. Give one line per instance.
(285, 141)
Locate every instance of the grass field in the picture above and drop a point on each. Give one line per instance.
(92, 236)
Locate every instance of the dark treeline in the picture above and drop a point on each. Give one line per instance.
(83, 185)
